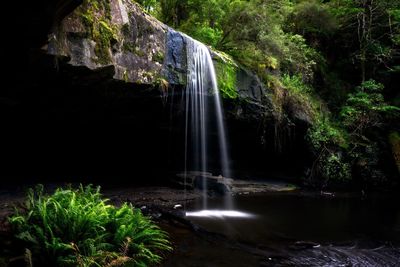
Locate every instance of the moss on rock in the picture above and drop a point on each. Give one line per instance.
(158, 57)
(96, 17)
(226, 78)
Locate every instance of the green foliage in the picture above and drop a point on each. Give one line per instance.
(129, 47)
(327, 140)
(251, 31)
(312, 20)
(364, 110)
(295, 84)
(325, 134)
(369, 29)
(226, 78)
(76, 227)
(126, 30)
(333, 167)
(325, 137)
(158, 57)
(299, 58)
(148, 5)
(304, 95)
(366, 107)
(203, 33)
(132, 48)
(103, 35)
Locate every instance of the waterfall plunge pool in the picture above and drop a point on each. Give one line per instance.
(270, 217)
(294, 229)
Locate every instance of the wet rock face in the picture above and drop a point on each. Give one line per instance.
(176, 58)
(249, 85)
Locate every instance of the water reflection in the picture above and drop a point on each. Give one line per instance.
(220, 214)
(300, 217)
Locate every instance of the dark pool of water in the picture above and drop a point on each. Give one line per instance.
(308, 217)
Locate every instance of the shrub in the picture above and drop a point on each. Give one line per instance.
(76, 227)
(366, 107)
(324, 133)
(304, 95)
(333, 166)
(312, 20)
(203, 33)
(328, 141)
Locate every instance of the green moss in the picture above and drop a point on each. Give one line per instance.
(125, 76)
(149, 75)
(158, 57)
(226, 77)
(103, 36)
(272, 62)
(88, 20)
(303, 94)
(162, 84)
(145, 30)
(125, 29)
(128, 47)
(107, 8)
(139, 52)
(96, 17)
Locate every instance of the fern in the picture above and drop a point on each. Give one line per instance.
(77, 227)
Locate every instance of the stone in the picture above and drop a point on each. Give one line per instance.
(249, 85)
(194, 180)
(177, 206)
(176, 60)
(135, 49)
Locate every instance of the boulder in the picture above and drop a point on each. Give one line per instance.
(197, 180)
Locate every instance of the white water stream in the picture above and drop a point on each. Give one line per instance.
(201, 89)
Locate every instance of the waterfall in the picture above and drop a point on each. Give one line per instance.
(201, 88)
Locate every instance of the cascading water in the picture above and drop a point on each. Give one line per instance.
(201, 84)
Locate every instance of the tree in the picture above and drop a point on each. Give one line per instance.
(376, 24)
(312, 20)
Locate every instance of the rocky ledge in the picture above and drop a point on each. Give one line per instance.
(219, 185)
(139, 49)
